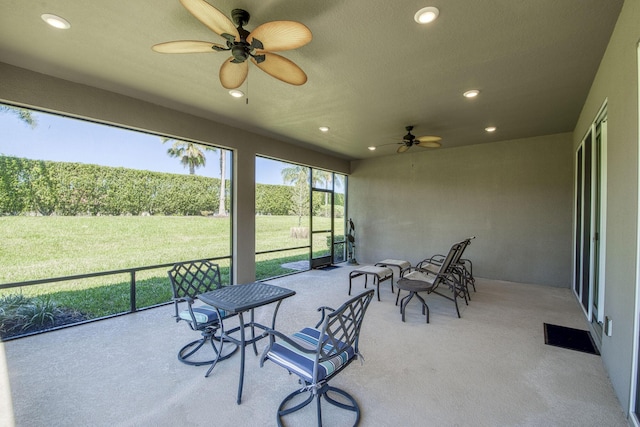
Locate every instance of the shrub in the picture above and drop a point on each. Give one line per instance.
(72, 189)
(20, 314)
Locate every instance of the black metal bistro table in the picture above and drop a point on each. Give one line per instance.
(239, 299)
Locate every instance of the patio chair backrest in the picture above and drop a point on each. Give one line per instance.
(464, 243)
(189, 279)
(448, 263)
(341, 327)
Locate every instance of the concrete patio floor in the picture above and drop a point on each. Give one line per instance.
(489, 368)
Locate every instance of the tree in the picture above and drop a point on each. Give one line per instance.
(298, 176)
(294, 174)
(300, 199)
(191, 155)
(322, 179)
(222, 211)
(23, 114)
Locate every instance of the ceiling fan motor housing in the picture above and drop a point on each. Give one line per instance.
(409, 137)
(240, 17)
(240, 50)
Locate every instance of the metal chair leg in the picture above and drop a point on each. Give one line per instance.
(323, 392)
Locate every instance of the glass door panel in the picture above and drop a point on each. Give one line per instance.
(586, 225)
(578, 226)
(321, 227)
(339, 212)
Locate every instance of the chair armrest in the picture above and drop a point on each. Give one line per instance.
(190, 301)
(183, 299)
(436, 260)
(407, 270)
(416, 268)
(177, 301)
(324, 310)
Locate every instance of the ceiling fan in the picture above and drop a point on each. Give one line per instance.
(409, 140)
(257, 45)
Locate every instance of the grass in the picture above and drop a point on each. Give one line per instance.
(45, 247)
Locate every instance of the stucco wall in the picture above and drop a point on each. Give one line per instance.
(514, 196)
(617, 82)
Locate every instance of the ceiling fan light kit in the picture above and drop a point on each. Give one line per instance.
(258, 46)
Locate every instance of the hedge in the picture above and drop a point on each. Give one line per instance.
(63, 188)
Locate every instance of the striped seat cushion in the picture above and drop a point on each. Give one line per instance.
(301, 363)
(203, 314)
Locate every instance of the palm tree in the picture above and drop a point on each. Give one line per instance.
(294, 174)
(23, 114)
(191, 155)
(323, 179)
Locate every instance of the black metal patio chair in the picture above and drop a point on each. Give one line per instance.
(316, 355)
(458, 263)
(427, 277)
(188, 280)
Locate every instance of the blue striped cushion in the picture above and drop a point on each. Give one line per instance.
(301, 363)
(203, 314)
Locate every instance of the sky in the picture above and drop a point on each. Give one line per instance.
(63, 139)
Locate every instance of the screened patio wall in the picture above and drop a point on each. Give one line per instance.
(545, 225)
(29, 89)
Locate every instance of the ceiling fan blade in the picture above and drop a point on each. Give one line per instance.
(429, 144)
(403, 148)
(277, 36)
(211, 17)
(233, 74)
(282, 69)
(428, 138)
(186, 46)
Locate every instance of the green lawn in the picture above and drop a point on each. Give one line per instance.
(45, 247)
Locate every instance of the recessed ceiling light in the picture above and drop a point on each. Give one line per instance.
(236, 93)
(490, 129)
(324, 128)
(56, 21)
(372, 148)
(471, 93)
(426, 15)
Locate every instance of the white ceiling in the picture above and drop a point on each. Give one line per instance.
(371, 69)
